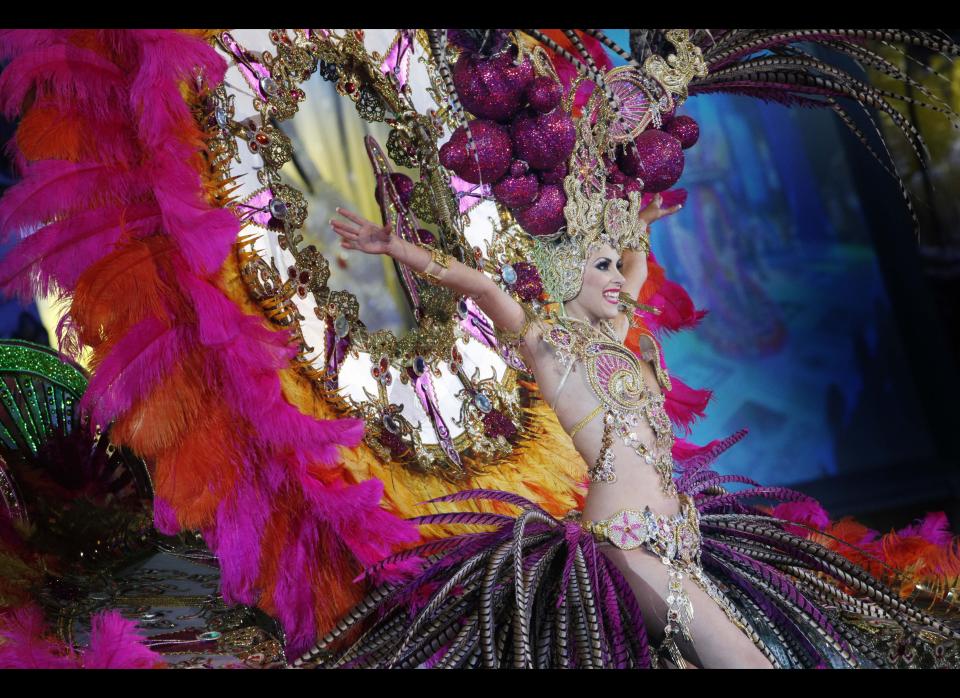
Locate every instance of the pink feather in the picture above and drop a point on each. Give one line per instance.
(17, 41)
(677, 309)
(236, 539)
(59, 253)
(146, 353)
(684, 404)
(933, 528)
(115, 644)
(184, 213)
(52, 188)
(164, 518)
(155, 171)
(62, 73)
(218, 318)
(807, 512)
(24, 643)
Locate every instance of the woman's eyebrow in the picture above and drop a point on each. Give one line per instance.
(602, 259)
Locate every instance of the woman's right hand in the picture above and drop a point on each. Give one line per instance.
(361, 234)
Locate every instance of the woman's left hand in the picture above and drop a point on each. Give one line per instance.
(653, 211)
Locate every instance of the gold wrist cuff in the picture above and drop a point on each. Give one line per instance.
(439, 258)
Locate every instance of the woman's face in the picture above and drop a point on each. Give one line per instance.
(602, 282)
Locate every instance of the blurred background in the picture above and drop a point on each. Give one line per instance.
(833, 332)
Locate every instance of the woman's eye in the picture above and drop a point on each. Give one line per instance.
(603, 266)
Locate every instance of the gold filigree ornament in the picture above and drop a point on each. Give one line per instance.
(441, 398)
(679, 68)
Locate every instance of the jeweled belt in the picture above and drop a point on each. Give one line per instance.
(676, 541)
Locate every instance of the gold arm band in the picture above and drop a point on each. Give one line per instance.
(514, 339)
(441, 259)
(586, 420)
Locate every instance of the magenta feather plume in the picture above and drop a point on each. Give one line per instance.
(54, 188)
(933, 528)
(164, 517)
(184, 213)
(143, 181)
(137, 363)
(677, 311)
(62, 72)
(218, 319)
(115, 644)
(684, 404)
(808, 512)
(25, 643)
(55, 256)
(236, 540)
(353, 512)
(17, 41)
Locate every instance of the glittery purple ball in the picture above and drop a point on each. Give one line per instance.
(492, 88)
(661, 160)
(543, 140)
(514, 192)
(402, 184)
(528, 284)
(492, 159)
(425, 236)
(685, 129)
(545, 215)
(544, 94)
(518, 168)
(495, 424)
(556, 175)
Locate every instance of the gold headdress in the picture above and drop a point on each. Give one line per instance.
(593, 216)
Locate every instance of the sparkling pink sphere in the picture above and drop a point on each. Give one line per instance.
(556, 175)
(545, 215)
(492, 88)
(543, 140)
(493, 152)
(544, 94)
(685, 129)
(660, 159)
(514, 192)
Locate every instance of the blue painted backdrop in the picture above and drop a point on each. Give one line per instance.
(800, 345)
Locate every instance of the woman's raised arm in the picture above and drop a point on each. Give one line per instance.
(635, 262)
(357, 233)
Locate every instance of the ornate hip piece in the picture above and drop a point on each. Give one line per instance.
(676, 541)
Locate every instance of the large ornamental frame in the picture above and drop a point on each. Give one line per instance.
(445, 398)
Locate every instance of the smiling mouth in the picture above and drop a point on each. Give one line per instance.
(612, 295)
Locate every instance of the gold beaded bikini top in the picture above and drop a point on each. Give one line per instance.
(615, 376)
